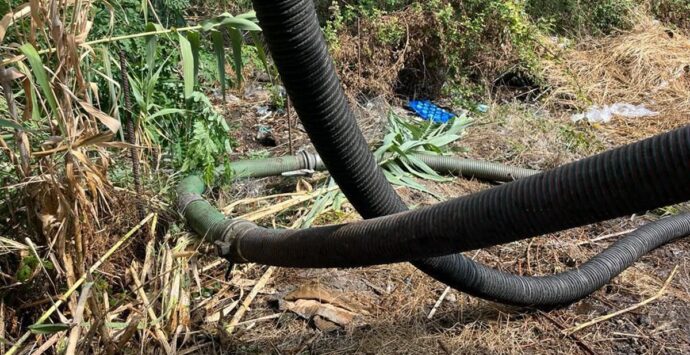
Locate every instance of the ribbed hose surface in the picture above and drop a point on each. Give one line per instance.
(258, 168)
(299, 51)
(474, 168)
(634, 178)
(569, 286)
(266, 167)
(204, 219)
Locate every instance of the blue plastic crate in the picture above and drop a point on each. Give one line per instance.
(430, 112)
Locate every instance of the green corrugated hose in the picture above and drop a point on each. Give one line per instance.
(211, 224)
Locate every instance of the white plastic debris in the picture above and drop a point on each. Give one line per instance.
(599, 114)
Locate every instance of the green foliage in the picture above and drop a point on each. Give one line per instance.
(674, 12)
(209, 144)
(582, 16)
(477, 30)
(29, 265)
(458, 39)
(334, 25)
(395, 155)
(580, 139)
(391, 32)
(173, 114)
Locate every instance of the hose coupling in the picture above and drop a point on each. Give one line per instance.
(310, 163)
(228, 245)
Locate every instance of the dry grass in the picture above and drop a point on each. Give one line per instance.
(649, 65)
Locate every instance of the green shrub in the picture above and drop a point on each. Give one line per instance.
(582, 16)
(674, 12)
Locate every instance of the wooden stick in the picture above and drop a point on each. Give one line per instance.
(2, 326)
(162, 338)
(607, 236)
(237, 317)
(438, 303)
(78, 283)
(625, 310)
(75, 332)
(260, 319)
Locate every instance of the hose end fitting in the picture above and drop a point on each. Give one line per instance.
(228, 245)
(311, 161)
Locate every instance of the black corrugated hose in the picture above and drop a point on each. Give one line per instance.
(646, 175)
(637, 177)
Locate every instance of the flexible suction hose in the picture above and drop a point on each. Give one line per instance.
(305, 161)
(243, 241)
(608, 185)
(638, 177)
(571, 285)
(300, 53)
(545, 290)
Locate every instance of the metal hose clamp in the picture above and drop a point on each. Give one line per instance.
(230, 239)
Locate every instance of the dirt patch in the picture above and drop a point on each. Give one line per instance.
(390, 55)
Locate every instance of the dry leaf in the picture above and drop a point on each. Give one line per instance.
(11, 17)
(307, 309)
(321, 294)
(325, 325)
(304, 186)
(110, 122)
(9, 74)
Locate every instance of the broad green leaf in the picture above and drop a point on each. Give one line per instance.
(237, 41)
(167, 111)
(219, 50)
(24, 69)
(442, 141)
(428, 175)
(418, 163)
(250, 15)
(239, 22)
(40, 73)
(212, 23)
(195, 43)
(187, 65)
(48, 328)
(407, 146)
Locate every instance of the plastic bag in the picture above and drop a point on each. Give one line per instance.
(598, 114)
